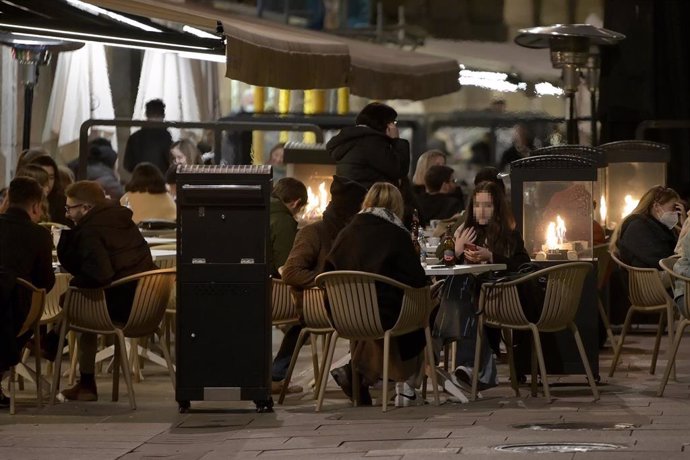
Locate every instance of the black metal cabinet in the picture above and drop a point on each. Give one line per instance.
(223, 341)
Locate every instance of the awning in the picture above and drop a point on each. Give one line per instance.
(259, 52)
(272, 54)
(265, 53)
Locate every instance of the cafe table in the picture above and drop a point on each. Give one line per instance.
(443, 270)
(444, 378)
(156, 240)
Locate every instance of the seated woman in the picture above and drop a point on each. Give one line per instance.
(488, 235)
(146, 195)
(184, 152)
(682, 267)
(426, 160)
(55, 192)
(650, 232)
(376, 241)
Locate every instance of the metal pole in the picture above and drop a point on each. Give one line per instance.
(593, 116)
(572, 121)
(28, 102)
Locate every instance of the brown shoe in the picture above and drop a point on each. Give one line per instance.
(277, 387)
(81, 392)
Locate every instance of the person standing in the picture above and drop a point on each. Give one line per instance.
(372, 150)
(25, 252)
(150, 144)
(105, 245)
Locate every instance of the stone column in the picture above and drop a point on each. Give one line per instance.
(8, 121)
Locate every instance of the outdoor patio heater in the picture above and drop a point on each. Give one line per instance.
(223, 341)
(573, 49)
(31, 54)
(633, 167)
(552, 201)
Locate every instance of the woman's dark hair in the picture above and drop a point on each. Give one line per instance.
(376, 116)
(490, 174)
(146, 178)
(496, 233)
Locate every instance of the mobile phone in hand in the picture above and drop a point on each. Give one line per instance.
(471, 246)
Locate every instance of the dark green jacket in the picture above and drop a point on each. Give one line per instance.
(283, 231)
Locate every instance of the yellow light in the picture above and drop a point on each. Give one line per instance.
(629, 205)
(316, 203)
(602, 209)
(555, 233)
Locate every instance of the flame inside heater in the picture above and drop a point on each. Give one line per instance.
(316, 202)
(603, 209)
(555, 234)
(629, 204)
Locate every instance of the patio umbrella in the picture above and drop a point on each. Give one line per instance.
(169, 77)
(81, 90)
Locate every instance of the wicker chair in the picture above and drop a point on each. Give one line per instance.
(355, 316)
(316, 323)
(283, 309)
(601, 253)
(667, 264)
(647, 295)
(501, 307)
(31, 323)
(85, 310)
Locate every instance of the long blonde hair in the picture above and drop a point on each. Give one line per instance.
(657, 194)
(384, 195)
(424, 163)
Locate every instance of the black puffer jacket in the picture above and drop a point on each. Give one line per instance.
(103, 247)
(365, 155)
(644, 241)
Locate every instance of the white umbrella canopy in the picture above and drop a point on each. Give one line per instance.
(168, 77)
(81, 90)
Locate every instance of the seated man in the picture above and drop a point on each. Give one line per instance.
(25, 252)
(104, 246)
(440, 200)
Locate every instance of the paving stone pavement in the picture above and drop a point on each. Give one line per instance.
(628, 415)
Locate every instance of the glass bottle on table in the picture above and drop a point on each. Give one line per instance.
(448, 245)
(416, 238)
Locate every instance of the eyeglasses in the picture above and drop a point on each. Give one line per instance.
(69, 208)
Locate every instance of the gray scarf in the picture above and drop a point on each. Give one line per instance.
(385, 214)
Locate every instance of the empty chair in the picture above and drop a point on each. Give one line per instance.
(667, 264)
(31, 323)
(647, 295)
(501, 307)
(355, 316)
(85, 310)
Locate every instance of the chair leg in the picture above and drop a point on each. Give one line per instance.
(116, 369)
(73, 357)
(431, 364)
(37, 358)
(682, 324)
(657, 342)
(607, 324)
(314, 352)
(508, 338)
(58, 362)
(126, 370)
(477, 359)
(166, 355)
(317, 375)
(670, 318)
(585, 361)
(534, 372)
(293, 361)
(621, 341)
(386, 355)
(542, 365)
(325, 369)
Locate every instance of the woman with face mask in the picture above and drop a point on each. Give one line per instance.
(487, 236)
(650, 232)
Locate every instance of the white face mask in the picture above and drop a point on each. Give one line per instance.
(669, 219)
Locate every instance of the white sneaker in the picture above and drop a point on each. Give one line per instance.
(455, 392)
(406, 396)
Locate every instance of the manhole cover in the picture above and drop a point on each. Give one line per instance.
(545, 447)
(576, 426)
